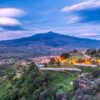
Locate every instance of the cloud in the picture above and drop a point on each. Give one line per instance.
(90, 35)
(8, 35)
(88, 11)
(10, 24)
(74, 19)
(87, 34)
(82, 6)
(8, 19)
(11, 12)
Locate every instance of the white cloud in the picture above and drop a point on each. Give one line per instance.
(87, 34)
(82, 6)
(84, 12)
(11, 12)
(8, 35)
(8, 21)
(10, 24)
(73, 19)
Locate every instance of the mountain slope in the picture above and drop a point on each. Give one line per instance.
(45, 43)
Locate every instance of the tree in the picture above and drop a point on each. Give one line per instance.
(74, 51)
(65, 55)
(52, 61)
(91, 52)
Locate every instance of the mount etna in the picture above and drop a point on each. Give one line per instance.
(44, 44)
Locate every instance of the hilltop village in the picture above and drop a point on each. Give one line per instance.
(85, 58)
(75, 57)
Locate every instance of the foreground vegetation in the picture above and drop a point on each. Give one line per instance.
(44, 85)
(35, 85)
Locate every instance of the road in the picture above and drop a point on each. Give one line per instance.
(61, 69)
(85, 55)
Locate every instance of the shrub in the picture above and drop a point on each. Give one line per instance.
(96, 73)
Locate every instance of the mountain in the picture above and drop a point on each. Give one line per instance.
(44, 43)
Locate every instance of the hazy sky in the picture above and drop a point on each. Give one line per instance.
(20, 18)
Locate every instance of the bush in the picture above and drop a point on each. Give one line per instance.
(96, 73)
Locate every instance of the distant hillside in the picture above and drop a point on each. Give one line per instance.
(41, 44)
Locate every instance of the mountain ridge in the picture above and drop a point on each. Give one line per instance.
(44, 43)
(48, 33)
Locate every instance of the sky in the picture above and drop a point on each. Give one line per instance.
(23, 18)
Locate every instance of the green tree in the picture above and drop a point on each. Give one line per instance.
(65, 55)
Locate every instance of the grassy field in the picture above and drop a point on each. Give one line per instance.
(78, 56)
(62, 80)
